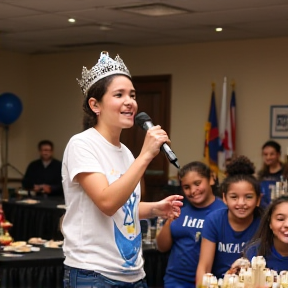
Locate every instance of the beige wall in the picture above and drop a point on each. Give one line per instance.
(14, 77)
(52, 99)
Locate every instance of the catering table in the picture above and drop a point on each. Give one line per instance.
(34, 220)
(44, 269)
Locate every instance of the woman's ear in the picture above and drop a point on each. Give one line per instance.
(94, 106)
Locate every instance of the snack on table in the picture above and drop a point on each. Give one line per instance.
(18, 247)
(23, 249)
(36, 241)
(29, 201)
(6, 224)
(53, 244)
(18, 244)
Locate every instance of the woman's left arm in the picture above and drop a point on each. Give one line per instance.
(166, 208)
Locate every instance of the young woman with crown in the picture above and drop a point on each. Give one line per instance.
(101, 227)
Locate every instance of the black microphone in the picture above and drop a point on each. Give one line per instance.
(145, 122)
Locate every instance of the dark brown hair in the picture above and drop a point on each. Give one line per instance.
(240, 169)
(196, 166)
(264, 235)
(97, 91)
(45, 142)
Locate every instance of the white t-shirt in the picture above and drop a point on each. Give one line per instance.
(92, 240)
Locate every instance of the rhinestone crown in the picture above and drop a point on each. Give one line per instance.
(105, 66)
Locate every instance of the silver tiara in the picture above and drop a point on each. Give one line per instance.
(105, 66)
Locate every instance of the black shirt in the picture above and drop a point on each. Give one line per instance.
(37, 174)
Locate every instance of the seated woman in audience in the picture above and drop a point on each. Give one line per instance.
(183, 235)
(226, 231)
(272, 169)
(271, 240)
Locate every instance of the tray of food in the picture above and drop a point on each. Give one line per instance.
(37, 241)
(20, 247)
(53, 244)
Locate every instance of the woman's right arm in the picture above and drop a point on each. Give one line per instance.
(206, 260)
(110, 197)
(164, 238)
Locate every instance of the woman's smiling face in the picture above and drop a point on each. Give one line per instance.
(118, 106)
(279, 223)
(241, 199)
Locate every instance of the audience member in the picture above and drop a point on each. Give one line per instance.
(101, 181)
(272, 169)
(271, 240)
(183, 235)
(43, 176)
(226, 231)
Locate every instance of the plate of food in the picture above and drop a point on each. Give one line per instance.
(29, 201)
(18, 243)
(37, 241)
(14, 245)
(23, 249)
(53, 244)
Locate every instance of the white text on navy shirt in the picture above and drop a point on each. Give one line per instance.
(190, 222)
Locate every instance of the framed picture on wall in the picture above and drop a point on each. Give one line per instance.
(279, 121)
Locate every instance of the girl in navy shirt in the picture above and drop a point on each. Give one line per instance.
(183, 235)
(227, 230)
(271, 241)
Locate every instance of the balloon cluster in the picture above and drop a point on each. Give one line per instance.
(10, 108)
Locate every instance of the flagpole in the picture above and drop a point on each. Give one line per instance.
(233, 85)
(233, 129)
(222, 127)
(213, 84)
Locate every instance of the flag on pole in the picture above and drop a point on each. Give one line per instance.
(230, 139)
(222, 128)
(212, 137)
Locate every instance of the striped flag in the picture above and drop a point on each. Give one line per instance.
(212, 137)
(230, 132)
(222, 128)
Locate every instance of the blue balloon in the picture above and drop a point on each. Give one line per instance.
(10, 108)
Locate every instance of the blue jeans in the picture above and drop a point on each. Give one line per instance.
(80, 278)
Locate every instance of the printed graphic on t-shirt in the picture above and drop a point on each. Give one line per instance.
(194, 223)
(230, 247)
(127, 238)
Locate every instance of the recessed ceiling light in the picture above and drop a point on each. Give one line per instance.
(104, 27)
(71, 20)
(154, 10)
(219, 29)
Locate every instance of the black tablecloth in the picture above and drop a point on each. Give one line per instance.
(34, 220)
(155, 266)
(44, 269)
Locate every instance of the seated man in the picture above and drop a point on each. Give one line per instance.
(44, 175)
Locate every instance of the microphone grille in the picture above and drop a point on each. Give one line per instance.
(141, 118)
